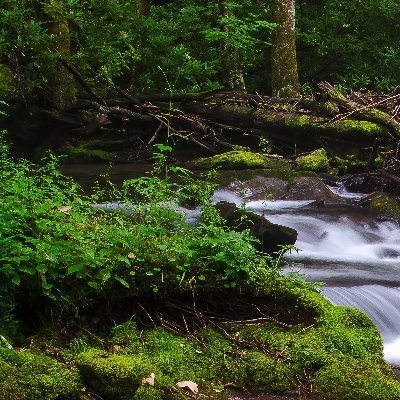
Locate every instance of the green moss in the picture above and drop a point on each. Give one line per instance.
(126, 334)
(349, 163)
(322, 339)
(82, 153)
(242, 160)
(316, 161)
(297, 121)
(367, 128)
(385, 205)
(24, 375)
(256, 369)
(148, 393)
(115, 376)
(349, 379)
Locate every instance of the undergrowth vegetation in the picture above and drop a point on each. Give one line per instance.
(72, 247)
(217, 311)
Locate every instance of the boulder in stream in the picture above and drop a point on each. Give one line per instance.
(271, 236)
(311, 188)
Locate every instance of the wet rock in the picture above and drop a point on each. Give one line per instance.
(260, 188)
(311, 188)
(382, 205)
(271, 236)
(227, 177)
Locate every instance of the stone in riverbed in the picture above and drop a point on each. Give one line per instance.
(271, 236)
(260, 188)
(311, 188)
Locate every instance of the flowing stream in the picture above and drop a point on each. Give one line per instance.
(356, 255)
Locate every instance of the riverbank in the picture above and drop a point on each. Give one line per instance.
(136, 303)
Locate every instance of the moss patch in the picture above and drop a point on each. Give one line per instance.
(83, 153)
(24, 375)
(334, 338)
(348, 379)
(316, 161)
(242, 160)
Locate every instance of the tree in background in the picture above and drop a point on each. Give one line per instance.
(285, 78)
(232, 56)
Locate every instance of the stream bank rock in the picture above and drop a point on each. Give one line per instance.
(310, 188)
(271, 236)
(383, 205)
(239, 159)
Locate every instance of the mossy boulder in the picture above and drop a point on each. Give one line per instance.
(29, 376)
(349, 379)
(84, 153)
(316, 161)
(242, 160)
(385, 205)
(112, 375)
(335, 345)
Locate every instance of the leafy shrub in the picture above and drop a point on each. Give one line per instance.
(53, 239)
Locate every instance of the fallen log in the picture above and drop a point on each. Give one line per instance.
(367, 113)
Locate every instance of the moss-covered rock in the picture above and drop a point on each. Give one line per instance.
(29, 376)
(316, 161)
(385, 205)
(82, 153)
(325, 342)
(256, 369)
(242, 160)
(115, 376)
(349, 379)
(349, 163)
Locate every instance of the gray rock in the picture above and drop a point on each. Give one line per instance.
(311, 188)
(271, 236)
(260, 188)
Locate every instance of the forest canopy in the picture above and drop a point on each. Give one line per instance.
(191, 45)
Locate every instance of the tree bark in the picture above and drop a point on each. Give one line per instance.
(61, 92)
(144, 8)
(285, 80)
(232, 68)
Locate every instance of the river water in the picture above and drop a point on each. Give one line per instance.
(356, 255)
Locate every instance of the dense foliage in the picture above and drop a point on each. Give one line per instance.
(352, 43)
(53, 239)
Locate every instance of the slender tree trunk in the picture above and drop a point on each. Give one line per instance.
(144, 8)
(143, 11)
(285, 79)
(61, 91)
(232, 65)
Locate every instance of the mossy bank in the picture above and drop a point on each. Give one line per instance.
(327, 352)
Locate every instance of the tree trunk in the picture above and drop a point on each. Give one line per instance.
(144, 8)
(285, 79)
(61, 92)
(232, 68)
